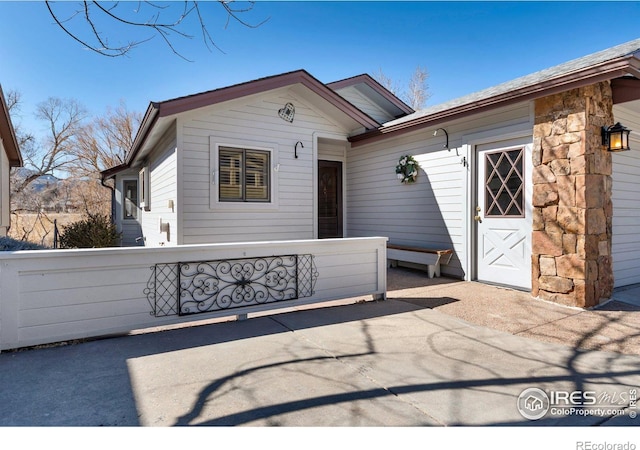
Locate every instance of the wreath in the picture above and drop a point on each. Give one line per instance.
(407, 169)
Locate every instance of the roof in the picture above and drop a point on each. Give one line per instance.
(168, 108)
(8, 135)
(303, 77)
(615, 62)
(370, 87)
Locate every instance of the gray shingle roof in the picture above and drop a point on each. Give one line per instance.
(627, 49)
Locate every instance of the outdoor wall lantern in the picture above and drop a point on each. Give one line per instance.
(616, 138)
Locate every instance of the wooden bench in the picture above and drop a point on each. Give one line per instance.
(432, 258)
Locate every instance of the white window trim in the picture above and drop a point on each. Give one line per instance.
(214, 175)
(124, 200)
(144, 189)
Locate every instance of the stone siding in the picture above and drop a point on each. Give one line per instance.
(572, 208)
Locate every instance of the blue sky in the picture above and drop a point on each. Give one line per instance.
(465, 46)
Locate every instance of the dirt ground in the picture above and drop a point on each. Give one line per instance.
(38, 228)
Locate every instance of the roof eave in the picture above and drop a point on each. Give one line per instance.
(113, 171)
(183, 104)
(148, 121)
(600, 72)
(8, 134)
(157, 110)
(374, 84)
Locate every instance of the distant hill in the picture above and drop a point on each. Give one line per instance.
(42, 182)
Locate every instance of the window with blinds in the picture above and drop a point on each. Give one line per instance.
(244, 175)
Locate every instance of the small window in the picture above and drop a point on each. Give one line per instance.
(130, 205)
(145, 193)
(244, 175)
(504, 184)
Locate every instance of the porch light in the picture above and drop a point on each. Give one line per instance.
(616, 138)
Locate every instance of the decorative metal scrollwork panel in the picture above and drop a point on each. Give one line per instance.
(208, 286)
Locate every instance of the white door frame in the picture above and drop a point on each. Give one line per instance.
(503, 242)
(518, 136)
(316, 136)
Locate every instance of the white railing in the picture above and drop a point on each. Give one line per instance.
(56, 295)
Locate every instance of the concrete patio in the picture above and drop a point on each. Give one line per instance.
(438, 352)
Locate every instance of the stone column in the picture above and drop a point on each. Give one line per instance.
(572, 208)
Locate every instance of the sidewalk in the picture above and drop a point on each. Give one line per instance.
(417, 359)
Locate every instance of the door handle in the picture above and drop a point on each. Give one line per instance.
(477, 219)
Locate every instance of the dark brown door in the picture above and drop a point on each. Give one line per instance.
(329, 199)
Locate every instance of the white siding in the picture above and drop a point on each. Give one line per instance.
(251, 122)
(332, 150)
(163, 190)
(626, 205)
(5, 216)
(430, 212)
(54, 295)
(352, 95)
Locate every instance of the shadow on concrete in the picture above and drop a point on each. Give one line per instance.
(401, 362)
(573, 374)
(428, 302)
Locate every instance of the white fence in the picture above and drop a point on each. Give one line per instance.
(55, 295)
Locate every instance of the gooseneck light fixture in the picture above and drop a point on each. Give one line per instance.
(295, 149)
(446, 144)
(616, 138)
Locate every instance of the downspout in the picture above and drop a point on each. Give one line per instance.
(113, 199)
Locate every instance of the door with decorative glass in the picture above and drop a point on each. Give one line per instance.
(503, 215)
(329, 199)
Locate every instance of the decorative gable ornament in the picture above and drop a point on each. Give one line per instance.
(287, 112)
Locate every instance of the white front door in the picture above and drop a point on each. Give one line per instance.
(503, 215)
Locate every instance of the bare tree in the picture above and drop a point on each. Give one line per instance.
(48, 156)
(56, 152)
(100, 144)
(389, 84)
(14, 103)
(87, 21)
(105, 141)
(417, 92)
(73, 147)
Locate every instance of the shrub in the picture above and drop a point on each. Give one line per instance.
(8, 244)
(95, 231)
